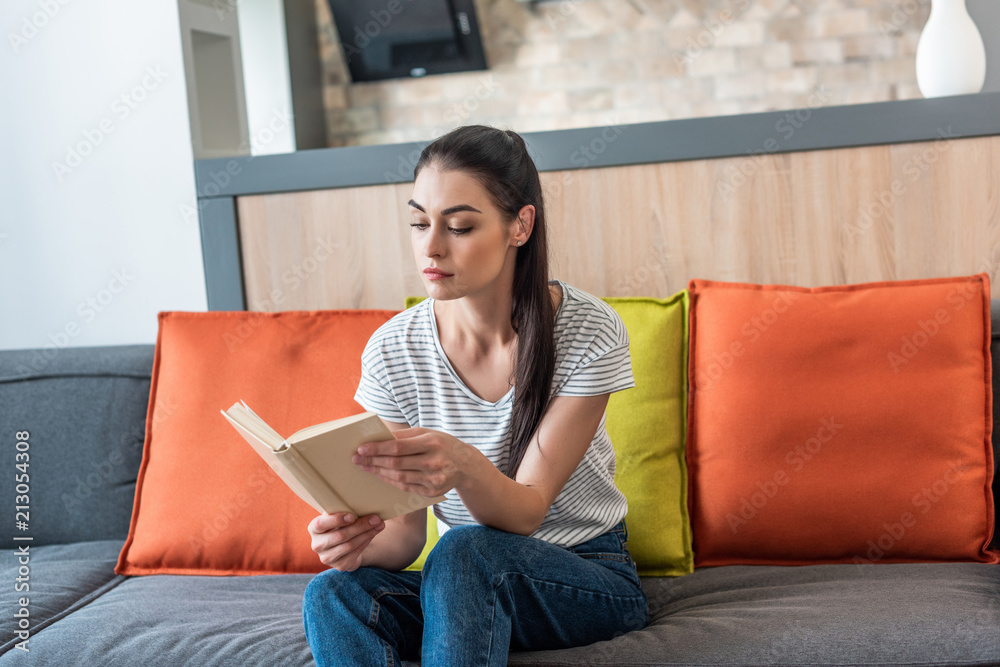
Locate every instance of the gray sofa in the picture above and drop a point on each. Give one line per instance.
(84, 411)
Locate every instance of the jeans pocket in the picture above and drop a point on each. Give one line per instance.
(607, 556)
(609, 546)
(620, 533)
(621, 530)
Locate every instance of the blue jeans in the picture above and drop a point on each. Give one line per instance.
(482, 592)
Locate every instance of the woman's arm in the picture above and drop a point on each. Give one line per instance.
(562, 438)
(431, 462)
(345, 542)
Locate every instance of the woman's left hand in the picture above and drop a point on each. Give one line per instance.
(419, 460)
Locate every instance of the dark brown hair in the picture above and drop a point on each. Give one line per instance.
(499, 160)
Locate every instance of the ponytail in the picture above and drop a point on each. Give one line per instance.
(499, 160)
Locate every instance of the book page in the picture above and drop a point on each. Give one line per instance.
(303, 480)
(248, 419)
(315, 429)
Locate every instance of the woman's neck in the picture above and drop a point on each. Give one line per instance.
(480, 322)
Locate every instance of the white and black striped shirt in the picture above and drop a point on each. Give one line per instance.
(406, 377)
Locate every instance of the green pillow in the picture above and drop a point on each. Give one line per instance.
(432, 528)
(647, 425)
(432, 538)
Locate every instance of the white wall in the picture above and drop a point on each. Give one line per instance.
(265, 76)
(986, 14)
(93, 243)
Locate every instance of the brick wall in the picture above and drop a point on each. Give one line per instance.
(581, 63)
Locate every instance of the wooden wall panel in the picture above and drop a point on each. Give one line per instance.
(813, 218)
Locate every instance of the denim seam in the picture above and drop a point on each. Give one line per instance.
(639, 596)
(493, 618)
(382, 592)
(373, 624)
(376, 611)
(604, 555)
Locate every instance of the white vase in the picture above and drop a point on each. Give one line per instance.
(951, 59)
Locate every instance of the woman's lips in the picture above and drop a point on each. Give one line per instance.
(436, 274)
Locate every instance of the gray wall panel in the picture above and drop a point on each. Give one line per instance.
(220, 246)
(662, 141)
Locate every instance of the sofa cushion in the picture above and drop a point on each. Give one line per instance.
(84, 409)
(171, 620)
(914, 614)
(205, 502)
(995, 355)
(646, 425)
(841, 424)
(905, 614)
(60, 579)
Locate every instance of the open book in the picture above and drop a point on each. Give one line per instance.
(315, 463)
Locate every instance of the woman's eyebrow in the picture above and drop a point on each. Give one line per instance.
(447, 211)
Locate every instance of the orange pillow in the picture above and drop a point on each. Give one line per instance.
(205, 502)
(846, 424)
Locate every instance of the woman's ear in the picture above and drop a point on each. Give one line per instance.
(524, 225)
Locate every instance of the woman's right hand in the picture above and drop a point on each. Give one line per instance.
(341, 538)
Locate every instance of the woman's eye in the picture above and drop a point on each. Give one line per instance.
(457, 231)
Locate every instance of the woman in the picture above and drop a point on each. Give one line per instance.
(496, 388)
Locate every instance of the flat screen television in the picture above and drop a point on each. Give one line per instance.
(391, 39)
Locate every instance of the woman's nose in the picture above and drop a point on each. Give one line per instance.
(434, 245)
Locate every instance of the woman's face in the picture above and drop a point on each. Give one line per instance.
(461, 242)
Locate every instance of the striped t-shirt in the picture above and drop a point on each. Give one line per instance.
(406, 377)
